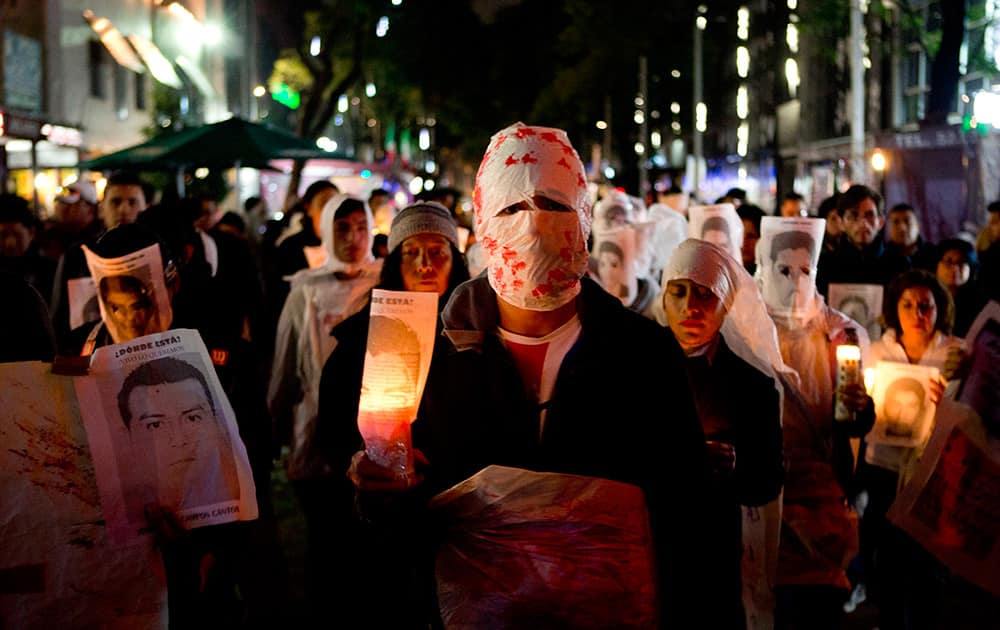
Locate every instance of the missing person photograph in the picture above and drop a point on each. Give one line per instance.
(904, 412)
(163, 433)
(860, 302)
(614, 260)
(718, 224)
(132, 292)
(787, 258)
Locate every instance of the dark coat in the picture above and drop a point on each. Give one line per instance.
(738, 405)
(849, 264)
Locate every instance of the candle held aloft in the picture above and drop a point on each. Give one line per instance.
(848, 373)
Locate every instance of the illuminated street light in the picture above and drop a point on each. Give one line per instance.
(701, 117)
(639, 117)
(701, 22)
(675, 73)
(743, 23)
(600, 124)
(315, 46)
(370, 90)
(640, 148)
(792, 37)
(742, 139)
(676, 126)
(383, 26)
(742, 103)
(675, 108)
(742, 61)
(879, 163)
(424, 139)
(609, 172)
(342, 104)
(792, 75)
(259, 91)
(655, 139)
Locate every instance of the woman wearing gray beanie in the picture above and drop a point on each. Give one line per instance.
(423, 256)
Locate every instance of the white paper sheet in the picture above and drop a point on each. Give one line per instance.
(162, 431)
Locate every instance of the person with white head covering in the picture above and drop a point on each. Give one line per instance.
(715, 311)
(819, 534)
(622, 243)
(319, 299)
(542, 364)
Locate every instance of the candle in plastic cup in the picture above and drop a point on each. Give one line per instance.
(848, 373)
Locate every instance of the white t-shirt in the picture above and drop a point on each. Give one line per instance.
(538, 360)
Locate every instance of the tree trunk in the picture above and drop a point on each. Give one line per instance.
(944, 71)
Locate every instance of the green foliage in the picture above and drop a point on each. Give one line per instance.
(291, 71)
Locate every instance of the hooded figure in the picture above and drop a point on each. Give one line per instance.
(819, 533)
(319, 299)
(715, 310)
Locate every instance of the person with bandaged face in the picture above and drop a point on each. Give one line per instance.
(539, 365)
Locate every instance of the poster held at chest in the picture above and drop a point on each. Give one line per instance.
(163, 432)
(860, 302)
(904, 413)
(397, 359)
(131, 292)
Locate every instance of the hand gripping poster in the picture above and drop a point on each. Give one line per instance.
(163, 432)
(718, 224)
(951, 503)
(131, 292)
(58, 568)
(398, 355)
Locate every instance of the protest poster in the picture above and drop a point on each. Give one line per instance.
(163, 432)
(951, 503)
(57, 566)
(131, 292)
(83, 306)
(787, 259)
(718, 224)
(904, 412)
(401, 331)
(980, 389)
(614, 255)
(860, 302)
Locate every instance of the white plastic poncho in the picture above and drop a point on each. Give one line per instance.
(317, 301)
(670, 229)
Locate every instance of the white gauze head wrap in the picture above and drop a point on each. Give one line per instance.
(748, 329)
(535, 259)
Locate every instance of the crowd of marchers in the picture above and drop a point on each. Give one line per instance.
(711, 385)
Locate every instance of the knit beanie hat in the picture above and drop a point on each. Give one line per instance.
(422, 218)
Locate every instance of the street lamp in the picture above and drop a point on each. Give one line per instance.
(879, 164)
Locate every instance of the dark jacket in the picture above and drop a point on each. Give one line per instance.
(738, 405)
(851, 265)
(620, 409)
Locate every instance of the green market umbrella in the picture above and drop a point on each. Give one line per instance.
(226, 144)
(232, 143)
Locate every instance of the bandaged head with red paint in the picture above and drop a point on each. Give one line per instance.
(533, 217)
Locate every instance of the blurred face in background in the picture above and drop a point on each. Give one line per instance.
(750, 238)
(953, 270)
(426, 263)
(122, 204)
(793, 208)
(904, 228)
(862, 222)
(350, 237)
(15, 238)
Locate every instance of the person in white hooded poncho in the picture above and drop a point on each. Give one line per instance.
(716, 313)
(819, 532)
(319, 299)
